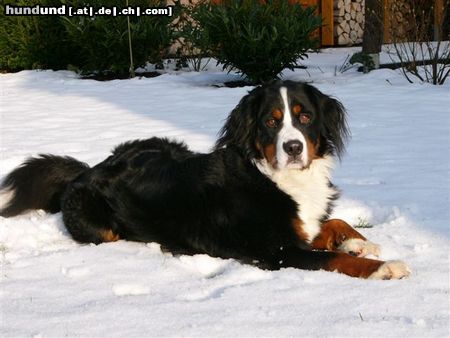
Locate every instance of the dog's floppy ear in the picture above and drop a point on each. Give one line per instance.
(334, 126)
(239, 130)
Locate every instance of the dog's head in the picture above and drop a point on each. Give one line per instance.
(287, 124)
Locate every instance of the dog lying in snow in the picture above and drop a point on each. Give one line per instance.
(263, 196)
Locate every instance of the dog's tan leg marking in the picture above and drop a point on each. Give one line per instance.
(337, 235)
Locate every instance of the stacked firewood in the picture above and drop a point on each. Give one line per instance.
(400, 18)
(348, 21)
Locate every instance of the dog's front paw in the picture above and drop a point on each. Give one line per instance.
(359, 247)
(391, 270)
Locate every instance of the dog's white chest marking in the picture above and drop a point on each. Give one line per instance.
(308, 187)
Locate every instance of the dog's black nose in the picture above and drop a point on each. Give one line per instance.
(293, 148)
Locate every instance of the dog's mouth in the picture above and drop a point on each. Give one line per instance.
(291, 163)
(294, 162)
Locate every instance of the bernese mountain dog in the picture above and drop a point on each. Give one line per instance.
(263, 196)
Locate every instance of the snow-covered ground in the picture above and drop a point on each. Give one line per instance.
(395, 176)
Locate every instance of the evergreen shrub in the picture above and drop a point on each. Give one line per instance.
(259, 38)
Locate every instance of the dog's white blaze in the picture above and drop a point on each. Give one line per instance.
(289, 133)
(308, 187)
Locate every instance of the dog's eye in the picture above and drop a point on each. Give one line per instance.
(304, 118)
(271, 123)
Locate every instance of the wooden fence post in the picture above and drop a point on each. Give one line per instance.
(327, 11)
(438, 18)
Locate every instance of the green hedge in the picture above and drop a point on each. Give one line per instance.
(28, 42)
(102, 43)
(258, 38)
(84, 43)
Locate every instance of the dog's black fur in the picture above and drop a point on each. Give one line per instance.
(157, 190)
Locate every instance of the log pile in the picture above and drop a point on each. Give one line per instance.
(400, 19)
(348, 21)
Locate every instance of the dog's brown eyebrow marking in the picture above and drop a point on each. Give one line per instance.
(297, 109)
(277, 114)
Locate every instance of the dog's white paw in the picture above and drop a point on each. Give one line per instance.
(391, 270)
(359, 247)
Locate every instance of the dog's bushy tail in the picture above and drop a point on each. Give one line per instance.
(38, 184)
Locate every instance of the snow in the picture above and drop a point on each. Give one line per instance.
(394, 176)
